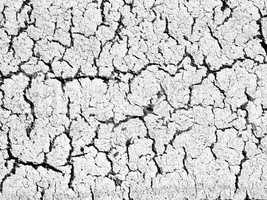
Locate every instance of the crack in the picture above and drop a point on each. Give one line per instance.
(63, 81)
(18, 161)
(30, 128)
(69, 160)
(154, 150)
(214, 37)
(20, 29)
(166, 98)
(179, 132)
(4, 15)
(102, 8)
(129, 194)
(130, 4)
(224, 5)
(247, 196)
(243, 160)
(261, 36)
(228, 17)
(119, 28)
(128, 143)
(168, 32)
(42, 194)
(192, 60)
(27, 163)
(24, 3)
(70, 28)
(184, 161)
(12, 171)
(193, 25)
(92, 193)
(212, 145)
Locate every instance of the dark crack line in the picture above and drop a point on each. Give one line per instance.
(261, 36)
(30, 128)
(243, 160)
(184, 161)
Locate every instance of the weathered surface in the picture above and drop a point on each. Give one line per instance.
(133, 99)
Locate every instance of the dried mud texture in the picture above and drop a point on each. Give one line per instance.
(133, 99)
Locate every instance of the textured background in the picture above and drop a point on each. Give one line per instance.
(132, 99)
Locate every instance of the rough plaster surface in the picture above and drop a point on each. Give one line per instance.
(133, 99)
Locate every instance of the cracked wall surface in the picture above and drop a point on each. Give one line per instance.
(133, 99)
